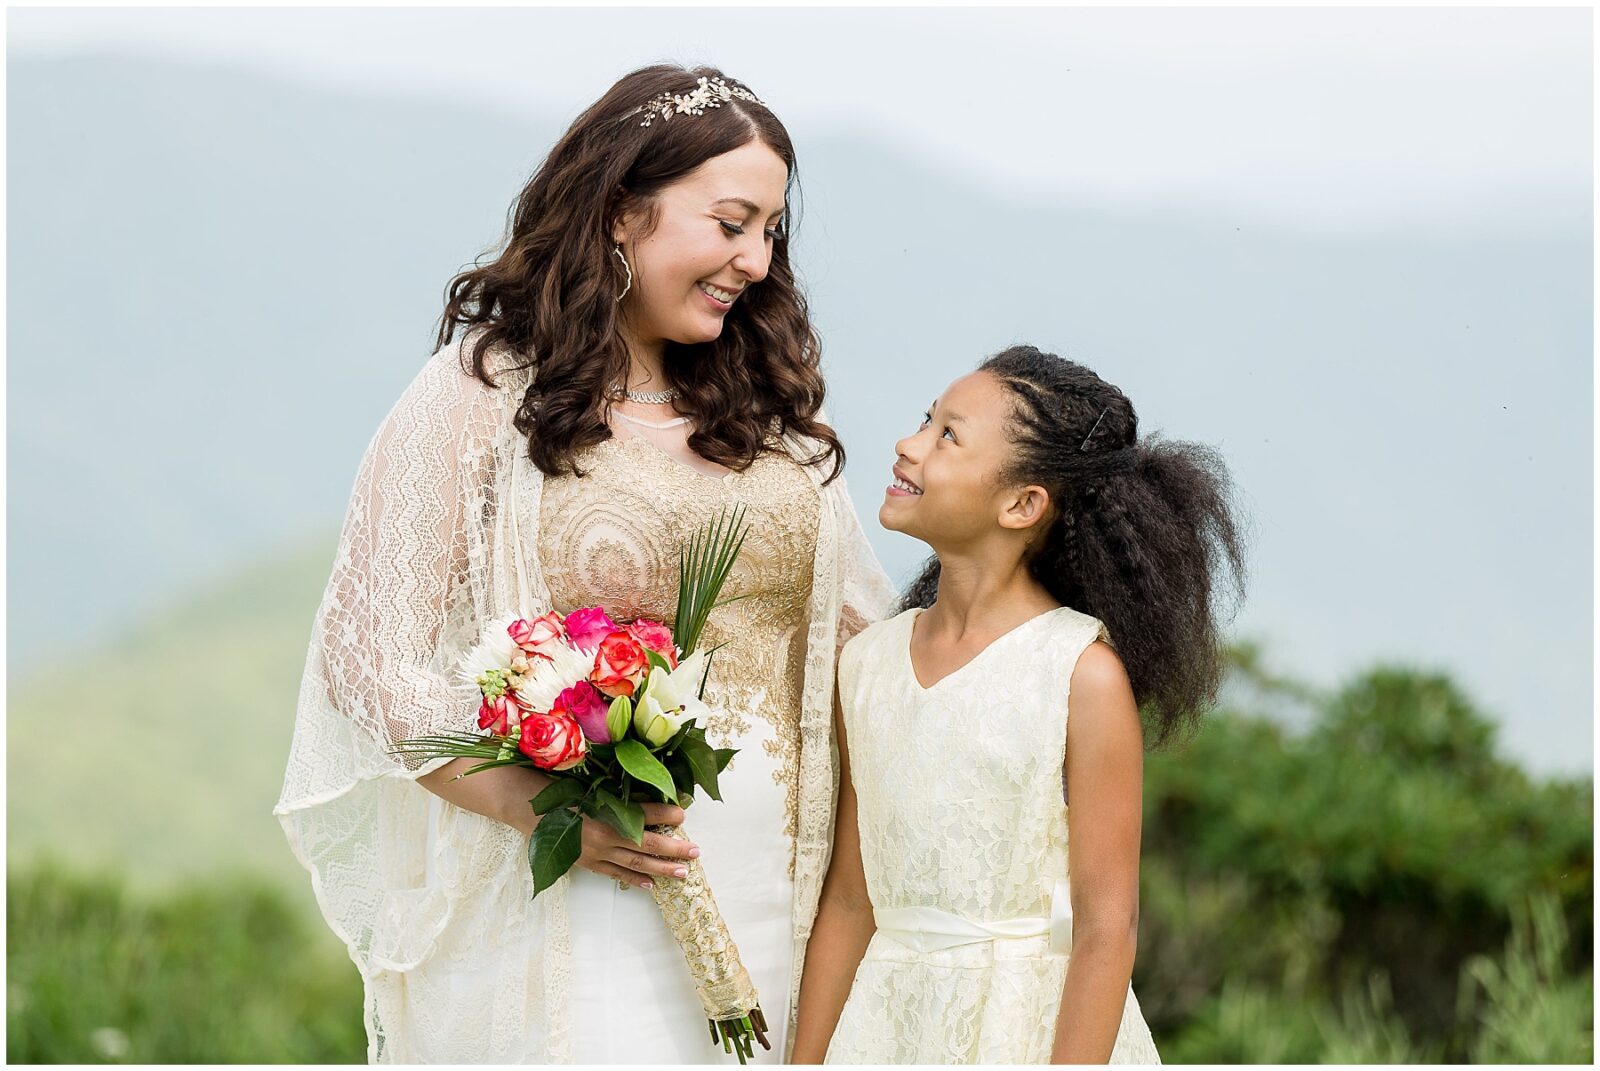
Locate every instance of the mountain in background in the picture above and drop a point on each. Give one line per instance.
(168, 770)
(218, 283)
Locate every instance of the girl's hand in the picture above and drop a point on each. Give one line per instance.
(609, 854)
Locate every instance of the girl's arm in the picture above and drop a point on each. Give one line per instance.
(843, 928)
(1105, 773)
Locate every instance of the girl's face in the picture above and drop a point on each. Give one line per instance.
(712, 240)
(952, 465)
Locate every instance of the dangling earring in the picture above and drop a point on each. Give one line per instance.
(617, 249)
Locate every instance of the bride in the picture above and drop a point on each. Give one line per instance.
(636, 357)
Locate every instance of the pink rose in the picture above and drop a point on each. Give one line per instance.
(535, 634)
(588, 708)
(587, 627)
(493, 715)
(619, 665)
(552, 743)
(657, 637)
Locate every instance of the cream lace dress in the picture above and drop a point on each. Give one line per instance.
(611, 539)
(964, 845)
(445, 532)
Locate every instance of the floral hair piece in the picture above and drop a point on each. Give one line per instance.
(707, 93)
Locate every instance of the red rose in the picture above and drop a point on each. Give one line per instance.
(657, 637)
(552, 743)
(492, 715)
(619, 665)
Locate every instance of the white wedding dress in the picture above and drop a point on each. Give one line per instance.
(964, 844)
(446, 531)
(595, 551)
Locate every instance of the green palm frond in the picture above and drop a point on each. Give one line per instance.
(455, 745)
(703, 568)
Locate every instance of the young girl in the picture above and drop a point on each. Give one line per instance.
(1071, 559)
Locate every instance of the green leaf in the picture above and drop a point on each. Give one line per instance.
(656, 661)
(638, 761)
(682, 773)
(724, 756)
(703, 763)
(561, 792)
(556, 843)
(449, 745)
(677, 738)
(624, 817)
(701, 693)
(495, 764)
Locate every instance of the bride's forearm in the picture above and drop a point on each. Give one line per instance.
(501, 794)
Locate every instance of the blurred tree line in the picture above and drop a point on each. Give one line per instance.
(1381, 887)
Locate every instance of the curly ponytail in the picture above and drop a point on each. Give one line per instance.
(1143, 532)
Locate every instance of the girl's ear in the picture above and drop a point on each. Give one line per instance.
(1029, 507)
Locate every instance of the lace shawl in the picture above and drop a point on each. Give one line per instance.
(436, 541)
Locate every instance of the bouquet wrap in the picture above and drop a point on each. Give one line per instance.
(691, 914)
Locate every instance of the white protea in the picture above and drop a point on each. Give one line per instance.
(494, 651)
(544, 680)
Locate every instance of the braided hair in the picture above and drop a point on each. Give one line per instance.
(1142, 533)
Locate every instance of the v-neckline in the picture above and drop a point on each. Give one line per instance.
(911, 664)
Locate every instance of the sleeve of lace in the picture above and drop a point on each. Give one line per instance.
(868, 595)
(405, 595)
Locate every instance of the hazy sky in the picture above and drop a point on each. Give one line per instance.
(1466, 124)
(1318, 119)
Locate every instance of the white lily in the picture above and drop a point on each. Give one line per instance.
(670, 698)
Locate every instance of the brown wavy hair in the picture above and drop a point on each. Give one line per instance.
(550, 296)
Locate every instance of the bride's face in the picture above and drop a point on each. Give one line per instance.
(712, 240)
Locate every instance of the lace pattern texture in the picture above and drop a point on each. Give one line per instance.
(690, 910)
(960, 817)
(595, 551)
(459, 963)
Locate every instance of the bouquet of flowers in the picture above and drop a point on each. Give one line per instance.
(610, 712)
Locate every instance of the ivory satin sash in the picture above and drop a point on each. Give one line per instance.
(929, 929)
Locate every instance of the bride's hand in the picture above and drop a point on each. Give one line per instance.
(611, 855)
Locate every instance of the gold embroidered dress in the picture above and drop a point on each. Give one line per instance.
(611, 539)
(447, 530)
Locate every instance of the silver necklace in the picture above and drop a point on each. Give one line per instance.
(658, 397)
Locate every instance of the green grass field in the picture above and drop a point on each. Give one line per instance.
(226, 971)
(1382, 887)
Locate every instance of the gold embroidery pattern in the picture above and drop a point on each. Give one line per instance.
(691, 914)
(611, 539)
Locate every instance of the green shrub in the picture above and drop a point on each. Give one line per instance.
(1526, 1007)
(1343, 877)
